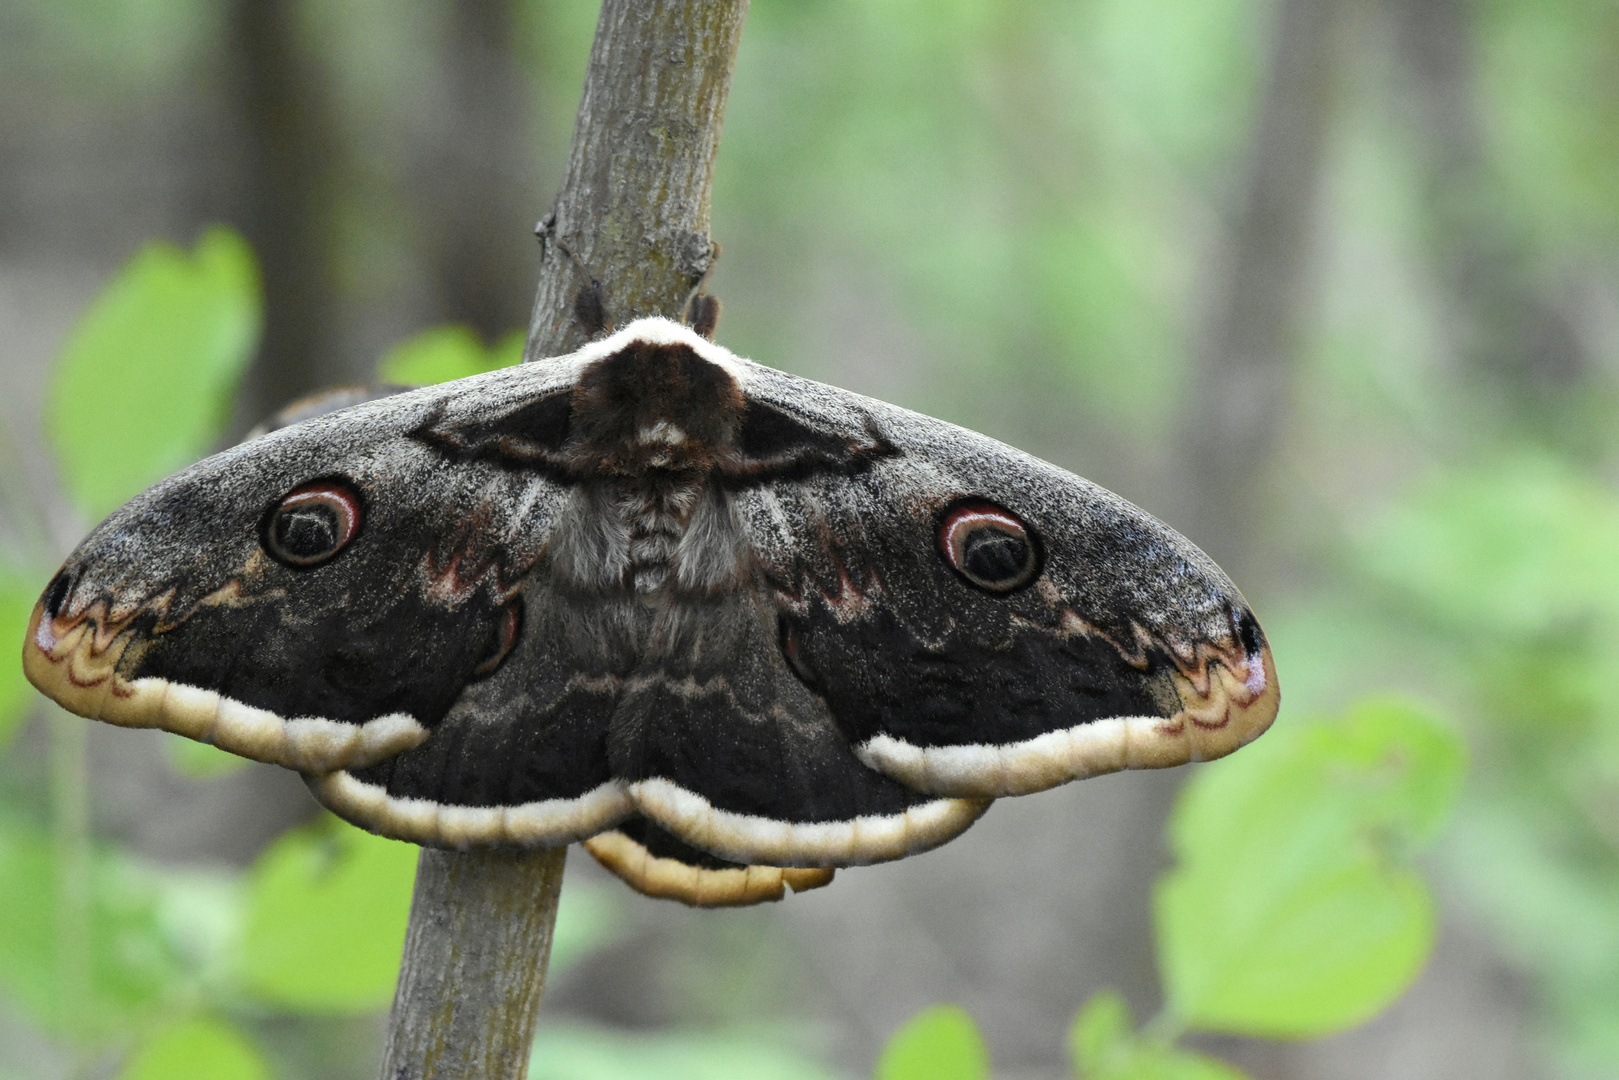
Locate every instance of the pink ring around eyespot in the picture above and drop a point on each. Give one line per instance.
(964, 519)
(335, 496)
(339, 498)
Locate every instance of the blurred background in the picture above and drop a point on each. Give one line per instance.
(1331, 286)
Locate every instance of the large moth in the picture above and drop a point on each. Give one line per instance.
(731, 627)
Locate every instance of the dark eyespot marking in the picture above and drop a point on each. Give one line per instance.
(989, 546)
(508, 625)
(312, 523)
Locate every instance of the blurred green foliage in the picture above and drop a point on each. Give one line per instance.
(325, 920)
(17, 592)
(134, 970)
(1014, 179)
(445, 353)
(144, 383)
(1291, 912)
(574, 1052)
(938, 1043)
(1507, 570)
(197, 1049)
(1104, 1045)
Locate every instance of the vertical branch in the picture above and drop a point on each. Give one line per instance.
(1244, 368)
(474, 968)
(635, 201)
(634, 209)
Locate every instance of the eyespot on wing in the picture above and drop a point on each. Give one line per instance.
(313, 523)
(988, 546)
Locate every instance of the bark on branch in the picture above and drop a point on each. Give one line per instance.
(634, 211)
(634, 205)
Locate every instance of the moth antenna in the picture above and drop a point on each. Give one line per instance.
(705, 316)
(701, 311)
(589, 303)
(591, 310)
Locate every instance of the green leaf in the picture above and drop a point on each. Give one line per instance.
(144, 383)
(1330, 953)
(197, 1049)
(1103, 1045)
(1162, 1063)
(572, 1052)
(1100, 1029)
(325, 922)
(1291, 912)
(325, 919)
(200, 913)
(17, 595)
(445, 353)
(132, 966)
(939, 1043)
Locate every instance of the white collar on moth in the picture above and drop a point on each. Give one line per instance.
(657, 330)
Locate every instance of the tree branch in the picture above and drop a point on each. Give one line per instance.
(634, 205)
(634, 210)
(474, 966)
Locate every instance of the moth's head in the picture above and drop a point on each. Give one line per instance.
(317, 597)
(653, 404)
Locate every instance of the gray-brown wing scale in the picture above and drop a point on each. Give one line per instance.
(317, 598)
(982, 623)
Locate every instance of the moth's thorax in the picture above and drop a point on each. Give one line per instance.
(662, 534)
(651, 407)
(651, 422)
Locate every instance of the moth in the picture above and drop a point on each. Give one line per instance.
(729, 627)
